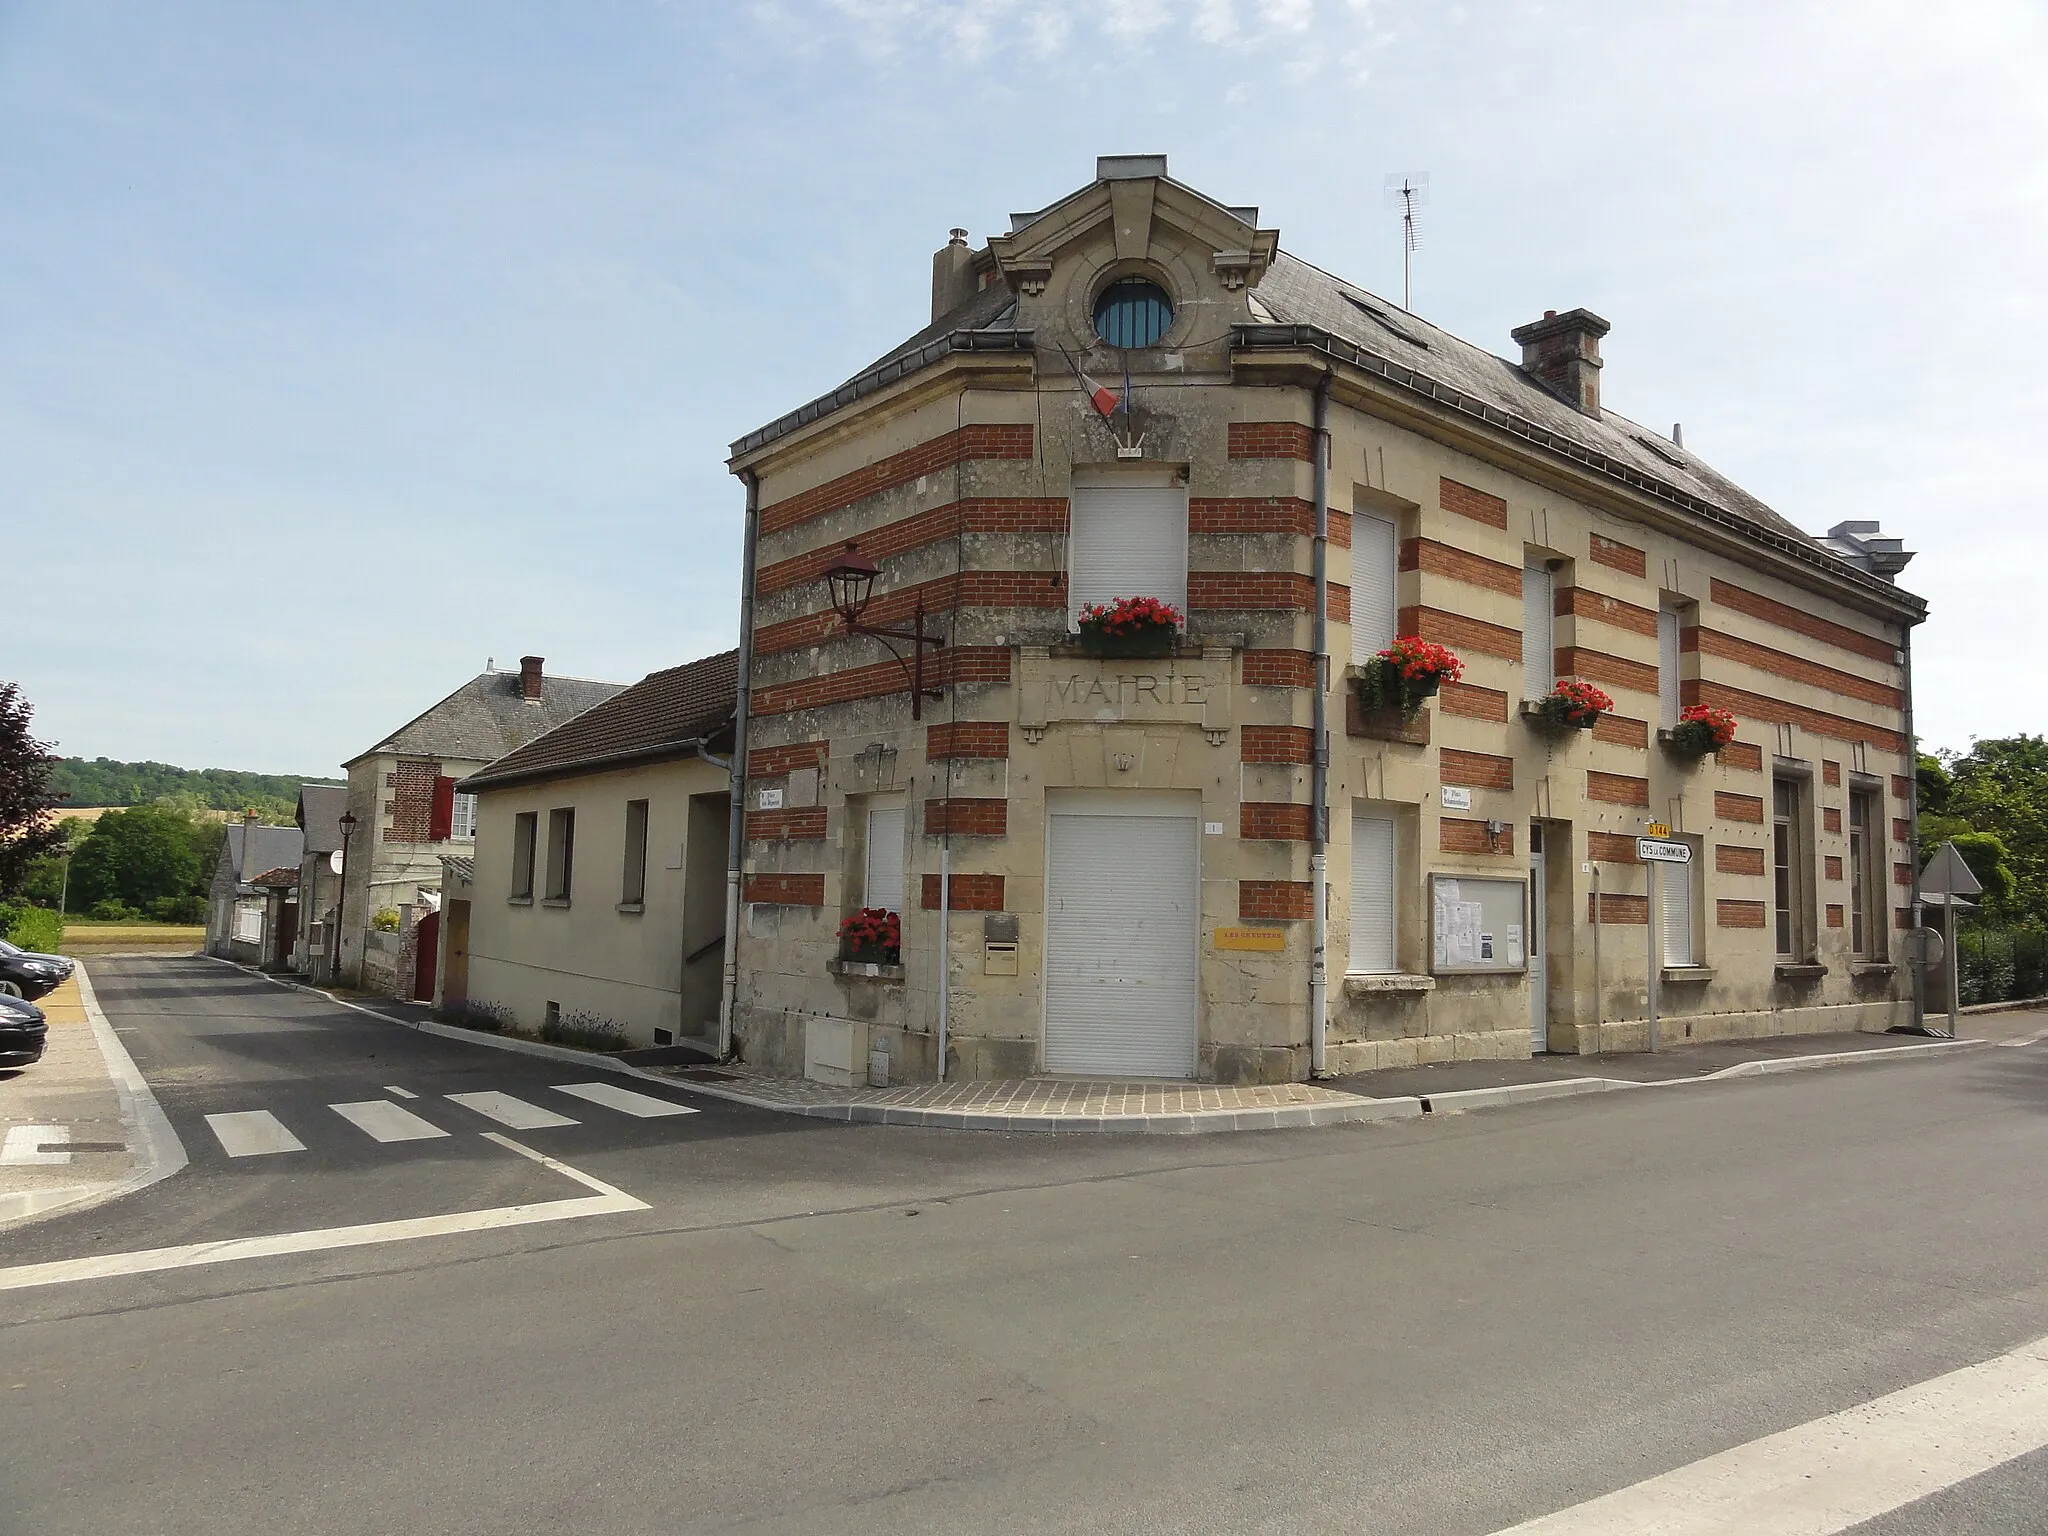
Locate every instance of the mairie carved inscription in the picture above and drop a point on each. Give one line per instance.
(1060, 690)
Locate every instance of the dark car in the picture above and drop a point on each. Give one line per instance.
(26, 974)
(22, 1032)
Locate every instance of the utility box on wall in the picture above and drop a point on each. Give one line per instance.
(836, 1052)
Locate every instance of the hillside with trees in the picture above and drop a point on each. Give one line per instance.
(80, 781)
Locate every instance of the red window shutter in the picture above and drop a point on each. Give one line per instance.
(442, 825)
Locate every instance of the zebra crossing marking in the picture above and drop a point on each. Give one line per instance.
(640, 1105)
(506, 1110)
(399, 1093)
(252, 1133)
(384, 1120)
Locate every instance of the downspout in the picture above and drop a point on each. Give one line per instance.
(1319, 756)
(736, 830)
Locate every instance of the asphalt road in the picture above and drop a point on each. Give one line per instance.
(1437, 1326)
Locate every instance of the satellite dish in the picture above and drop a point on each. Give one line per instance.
(334, 861)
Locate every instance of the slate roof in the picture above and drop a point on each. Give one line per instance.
(319, 815)
(275, 847)
(1294, 292)
(665, 714)
(487, 717)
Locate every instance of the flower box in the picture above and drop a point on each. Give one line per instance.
(1701, 730)
(871, 936)
(1131, 626)
(1404, 674)
(1572, 705)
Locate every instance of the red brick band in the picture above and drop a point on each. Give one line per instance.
(774, 890)
(1770, 611)
(964, 893)
(1270, 440)
(986, 441)
(1476, 504)
(1275, 901)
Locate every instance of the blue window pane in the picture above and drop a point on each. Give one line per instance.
(1133, 312)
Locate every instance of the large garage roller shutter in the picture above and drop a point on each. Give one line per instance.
(1128, 541)
(1122, 926)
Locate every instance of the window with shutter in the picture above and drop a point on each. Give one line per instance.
(1374, 897)
(1128, 537)
(1674, 891)
(1374, 558)
(441, 810)
(463, 818)
(1539, 660)
(883, 886)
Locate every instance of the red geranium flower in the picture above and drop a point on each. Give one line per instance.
(1417, 659)
(1719, 723)
(1130, 616)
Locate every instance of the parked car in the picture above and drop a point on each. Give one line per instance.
(23, 1030)
(24, 973)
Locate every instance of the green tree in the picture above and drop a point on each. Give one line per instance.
(28, 829)
(2000, 788)
(136, 857)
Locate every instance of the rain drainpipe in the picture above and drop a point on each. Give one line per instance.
(1319, 757)
(1919, 1016)
(735, 836)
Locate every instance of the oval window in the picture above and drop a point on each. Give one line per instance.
(1133, 312)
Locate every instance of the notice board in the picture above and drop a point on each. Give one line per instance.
(1479, 924)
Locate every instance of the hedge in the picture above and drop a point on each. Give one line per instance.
(33, 928)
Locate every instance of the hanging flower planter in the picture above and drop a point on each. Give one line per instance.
(1131, 626)
(1573, 705)
(871, 936)
(1701, 729)
(1405, 673)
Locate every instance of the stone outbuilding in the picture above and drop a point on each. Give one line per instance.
(241, 916)
(1235, 858)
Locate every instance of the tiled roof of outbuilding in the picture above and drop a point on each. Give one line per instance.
(488, 716)
(664, 714)
(282, 879)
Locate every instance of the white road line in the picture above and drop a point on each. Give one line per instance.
(24, 1147)
(506, 1110)
(611, 1096)
(386, 1121)
(252, 1133)
(606, 1201)
(1833, 1473)
(399, 1093)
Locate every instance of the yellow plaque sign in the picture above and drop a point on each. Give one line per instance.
(1263, 940)
(1657, 829)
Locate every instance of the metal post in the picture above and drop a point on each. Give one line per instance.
(945, 937)
(1599, 1001)
(1656, 947)
(1955, 947)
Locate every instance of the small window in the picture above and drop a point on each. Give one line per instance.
(1674, 909)
(1866, 876)
(883, 883)
(1670, 620)
(524, 826)
(633, 889)
(561, 853)
(1539, 661)
(1374, 896)
(1375, 550)
(1133, 312)
(1791, 883)
(462, 818)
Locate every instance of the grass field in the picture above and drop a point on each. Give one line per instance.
(108, 938)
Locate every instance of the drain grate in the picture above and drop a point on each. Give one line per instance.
(708, 1075)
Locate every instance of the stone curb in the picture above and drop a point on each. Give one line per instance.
(1178, 1122)
(148, 1127)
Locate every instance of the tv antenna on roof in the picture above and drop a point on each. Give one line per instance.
(1408, 191)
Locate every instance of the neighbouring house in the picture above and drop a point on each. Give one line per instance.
(595, 893)
(319, 817)
(238, 911)
(408, 813)
(1153, 836)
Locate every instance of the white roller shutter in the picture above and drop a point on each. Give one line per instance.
(1127, 540)
(1373, 894)
(1374, 556)
(884, 884)
(1667, 667)
(1538, 658)
(1675, 892)
(1122, 927)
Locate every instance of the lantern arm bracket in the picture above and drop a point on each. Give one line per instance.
(912, 665)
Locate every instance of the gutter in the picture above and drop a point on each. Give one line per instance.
(1319, 759)
(736, 828)
(582, 765)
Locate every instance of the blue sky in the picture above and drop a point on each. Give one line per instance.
(342, 347)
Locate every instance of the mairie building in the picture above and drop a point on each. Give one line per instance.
(1227, 854)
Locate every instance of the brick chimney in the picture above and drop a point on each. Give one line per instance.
(1563, 352)
(249, 870)
(529, 678)
(952, 275)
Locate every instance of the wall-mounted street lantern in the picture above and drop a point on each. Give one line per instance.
(850, 579)
(348, 829)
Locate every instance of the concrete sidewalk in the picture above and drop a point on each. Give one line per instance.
(103, 1133)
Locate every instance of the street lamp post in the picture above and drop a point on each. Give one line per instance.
(850, 579)
(348, 827)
